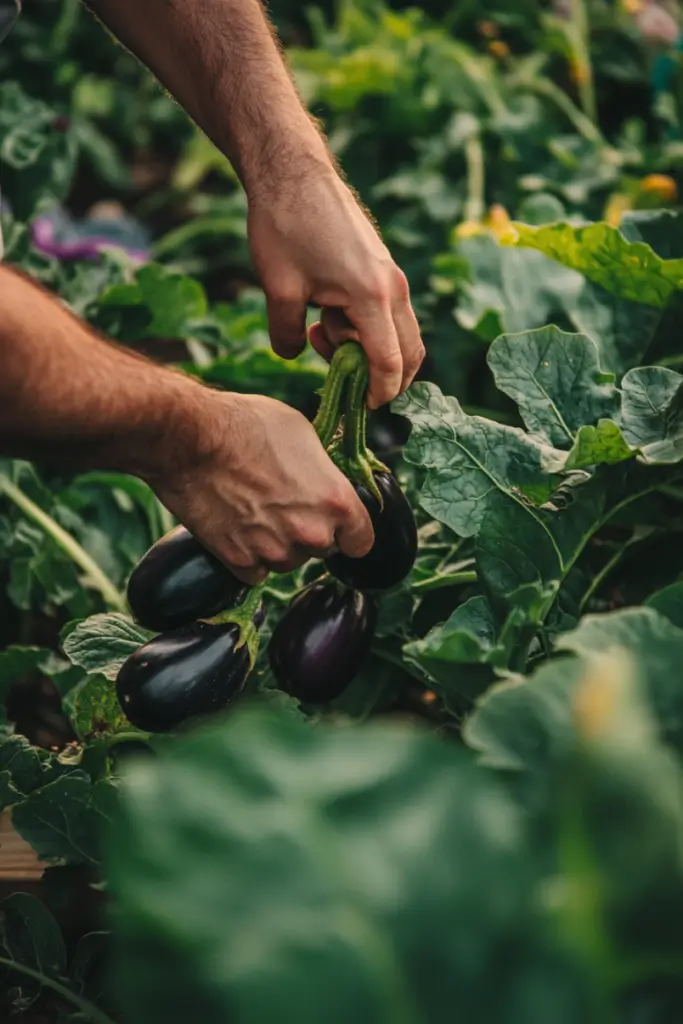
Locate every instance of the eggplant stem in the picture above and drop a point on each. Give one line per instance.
(359, 461)
(345, 362)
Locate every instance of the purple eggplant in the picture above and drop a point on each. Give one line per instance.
(191, 671)
(321, 641)
(393, 554)
(178, 581)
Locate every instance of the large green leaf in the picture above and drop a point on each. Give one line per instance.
(555, 379)
(64, 821)
(527, 724)
(468, 638)
(470, 459)
(631, 270)
(272, 871)
(621, 329)
(101, 643)
(510, 290)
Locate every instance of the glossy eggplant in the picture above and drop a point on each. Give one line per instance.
(178, 581)
(321, 641)
(393, 554)
(189, 671)
(387, 433)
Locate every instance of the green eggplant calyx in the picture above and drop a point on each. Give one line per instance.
(243, 617)
(345, 362)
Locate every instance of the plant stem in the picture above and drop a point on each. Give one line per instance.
(346, 361)
(85, 1006)
(438, 582)
(581, 47)
(69, 545)
(599, 577)
(583, 124)
(474, 158)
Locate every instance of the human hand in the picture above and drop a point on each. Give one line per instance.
(312, 243)
(257, 488)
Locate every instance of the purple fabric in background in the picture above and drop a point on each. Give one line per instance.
(57, 234)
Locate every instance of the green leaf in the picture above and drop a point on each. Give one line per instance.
(603, 443)
(555, 379)
(170, 299)
(652, 413)
(24, 767)
(524, 289)
(631, 270)
(289, 854)
(527, 723)
(622, 330)
(467, 638)
(654, 643)
(64, 820)
(669, 603)
(94, 709)
(101, 643)
(470, 459)
(29, 936)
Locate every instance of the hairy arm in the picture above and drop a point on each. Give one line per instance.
(228, 466)
(310, 240)
(221, 61)
(69, 395)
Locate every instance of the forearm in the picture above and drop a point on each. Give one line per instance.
(71, 397)
(220, 60)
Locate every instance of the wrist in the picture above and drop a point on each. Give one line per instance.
(280, 163)
(193, 423)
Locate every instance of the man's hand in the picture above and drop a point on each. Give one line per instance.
(247, 475)
(262, 494)
(312, 243)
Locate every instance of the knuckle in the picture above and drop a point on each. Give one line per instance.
(274, 553)
(375, 287)
(284, 294)
(389, 362)
(416, 358)
(401, 285)
(315, 538)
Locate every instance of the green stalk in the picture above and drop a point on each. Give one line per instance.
(579, 39)
(474, 158)
(69, 545)
(345, 362)
(85, 1006)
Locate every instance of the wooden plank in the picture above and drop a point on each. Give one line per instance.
(17, 859)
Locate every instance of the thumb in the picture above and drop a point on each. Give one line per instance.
(354, 536)
(287, 326)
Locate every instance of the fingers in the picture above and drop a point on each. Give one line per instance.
(386, 326)
(287, 325)
(354, 535)
(379, 338)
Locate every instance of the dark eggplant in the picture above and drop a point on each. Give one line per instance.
(189, 671)
(392, 555)
(387, 433)
(178, 581)
(320, 642)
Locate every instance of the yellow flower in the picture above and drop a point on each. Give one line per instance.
(662, 185)
(499, 49)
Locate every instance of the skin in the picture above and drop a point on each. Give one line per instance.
(246, 474)
(228, 466)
